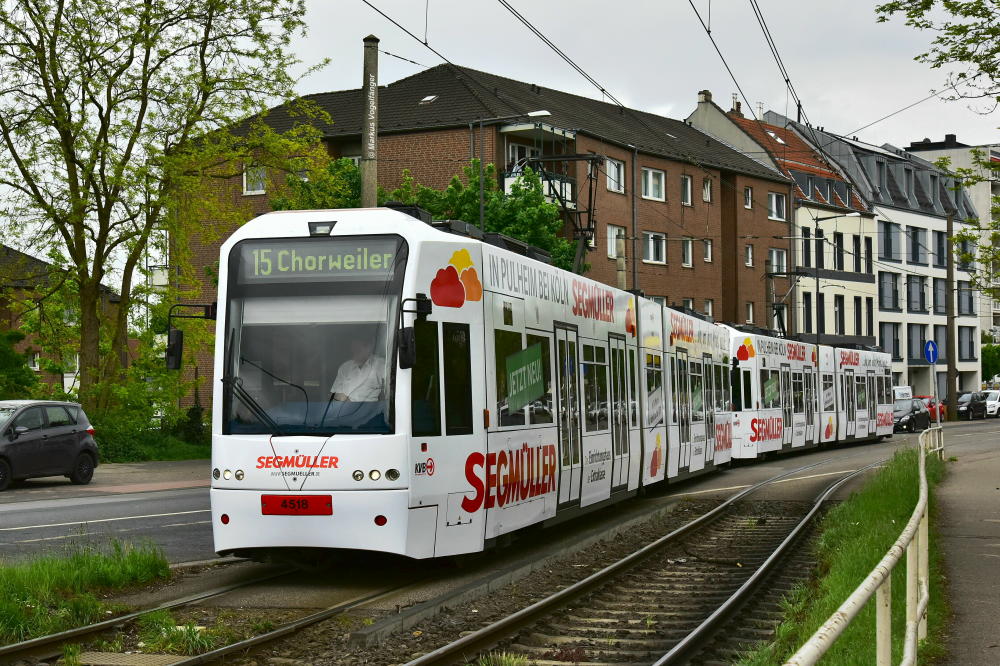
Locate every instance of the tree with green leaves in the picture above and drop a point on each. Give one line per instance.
(17, 380)
(112, 115)
(989, 361)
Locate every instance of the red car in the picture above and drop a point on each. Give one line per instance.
(932, 407)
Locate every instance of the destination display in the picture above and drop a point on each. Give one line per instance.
(317, 259)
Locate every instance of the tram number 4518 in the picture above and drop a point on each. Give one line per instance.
(424, 468)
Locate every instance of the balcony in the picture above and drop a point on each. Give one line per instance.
(554, 186)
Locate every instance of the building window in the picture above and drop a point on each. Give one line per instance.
(940, 296)
(748, 197)
(708, 249)
(687, 249)
(838, 251)
(778, 259)
(916, 338)
(889, 243)
(882, 182)
(870, 312)
(659, 300)
(709, 307)
(748, 255)
(654, 247)
(916, 298)
(857, 253)
(820, 313)
(839, 327)
(686, 190)
(355, 159)
(254, 180)
(888, 339)
(908, 178)
(706, 189)
(934, 188)
(688, 303)
(616, 175)
(652, 184)
(966, 298)
(967, 343)
(749, 312)
(519, 153)
(806, 247)
(613, 231)
(775, 206)
(34, 361)
(858, 317)
(917, 238)
(820, 249)
(940, 249)
(888, 291)
(807, 314)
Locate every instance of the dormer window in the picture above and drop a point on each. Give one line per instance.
(428, 99)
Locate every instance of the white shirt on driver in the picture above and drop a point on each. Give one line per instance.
(361, 383)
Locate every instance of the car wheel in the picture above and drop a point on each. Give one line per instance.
(4, 474)
(83, 470)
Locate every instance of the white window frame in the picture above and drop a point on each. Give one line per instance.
(356, 159)
(686, 185)
(706, 190)
(687, 252)
(647, 182)
(707, 242)
(262, 181)
(778, 267)
(612, 235)
(661, 300)
(748, 197)
(688, 303)
(749, 312)
(34, 361)
(772, 198)
(529, 152)
(748, 255)
(616, 181)
(709, 308)
(648, 237)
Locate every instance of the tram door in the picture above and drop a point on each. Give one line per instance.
(872, 402)
(570, 463)
(713, 403)
(850, 402)
(786, 403)
(683, 408)
(810, 397)
(619, 412)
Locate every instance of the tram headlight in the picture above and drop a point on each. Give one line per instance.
(374, 475)
(239, 475)
(216, 473)
(227, 475)
(358, 475)
(392, 474)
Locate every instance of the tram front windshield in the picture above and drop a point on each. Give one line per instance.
(310, 335)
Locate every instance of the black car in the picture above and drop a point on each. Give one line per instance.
(972, 405)
(910, 414)
(43, 438)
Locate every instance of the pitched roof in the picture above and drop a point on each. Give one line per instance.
(465, 95)
(18, 269)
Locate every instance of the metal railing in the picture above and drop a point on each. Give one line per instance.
(914, 541)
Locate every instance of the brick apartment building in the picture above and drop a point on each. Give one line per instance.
(678, 194)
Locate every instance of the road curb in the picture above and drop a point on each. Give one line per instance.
(214, 562)
(383, 629)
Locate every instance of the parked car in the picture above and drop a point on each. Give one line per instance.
(910, 414)
(933, 405)
(971, 405)
(993, 403)
(45, 438)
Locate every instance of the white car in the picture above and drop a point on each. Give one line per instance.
(993, 403)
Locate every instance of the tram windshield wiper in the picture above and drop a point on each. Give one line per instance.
(235, 386)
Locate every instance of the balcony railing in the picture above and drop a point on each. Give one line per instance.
(554, 186)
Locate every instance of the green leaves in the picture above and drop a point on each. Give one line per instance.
(16, 379)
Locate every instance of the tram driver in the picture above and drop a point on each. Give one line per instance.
(361, 377)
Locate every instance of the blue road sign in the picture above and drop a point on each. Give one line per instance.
(931, 352)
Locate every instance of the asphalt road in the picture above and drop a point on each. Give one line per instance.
(178, 520)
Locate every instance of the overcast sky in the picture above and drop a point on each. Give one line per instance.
(848, 69)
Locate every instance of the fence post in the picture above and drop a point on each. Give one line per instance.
(883, 623)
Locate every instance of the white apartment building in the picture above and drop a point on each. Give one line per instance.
(911, 200)
(982, 197)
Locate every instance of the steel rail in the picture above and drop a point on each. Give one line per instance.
(35, 644)
(700, 635)
(487, 636)
(292, 627)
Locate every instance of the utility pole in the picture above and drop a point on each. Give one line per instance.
(949, 311)
(369, 138)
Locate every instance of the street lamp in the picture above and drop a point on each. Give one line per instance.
(482, 121)
(816, 221)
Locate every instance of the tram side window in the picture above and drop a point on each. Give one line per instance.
(425, 392)
(829, 396)
(861, 390)
(721, 390)
(697, 391)
(770, 388)
(540, 409)
(595, 388)
(633, 409)
(798, 401)
(675, 383)
(457, 380)
(505, 343)
(654, 390)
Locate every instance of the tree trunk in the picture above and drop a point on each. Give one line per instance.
(90, 344)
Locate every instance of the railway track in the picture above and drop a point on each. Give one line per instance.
(667, 602)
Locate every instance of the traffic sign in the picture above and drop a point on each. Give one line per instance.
(931, 352)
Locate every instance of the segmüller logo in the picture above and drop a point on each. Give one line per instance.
(298, 462)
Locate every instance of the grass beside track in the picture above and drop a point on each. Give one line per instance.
(855, 536)
(58, 592)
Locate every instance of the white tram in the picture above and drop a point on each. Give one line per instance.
(387, 385)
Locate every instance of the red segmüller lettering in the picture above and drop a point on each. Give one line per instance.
(883, 419)
(593, 301)
(796, 352)
(509, 476)
(849, 357)
(764, 430)
(723, 436)
(304, 462)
